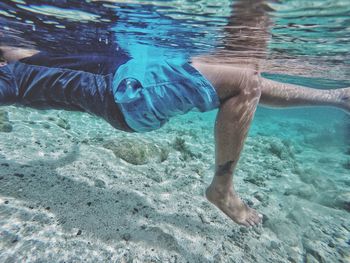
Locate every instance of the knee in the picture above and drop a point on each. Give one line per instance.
(250, 86)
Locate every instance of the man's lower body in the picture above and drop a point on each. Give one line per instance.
(131, 94)
(238, 91)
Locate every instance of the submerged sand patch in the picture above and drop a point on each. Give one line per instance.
(65, 195)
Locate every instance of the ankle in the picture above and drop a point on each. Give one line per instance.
(218, 189)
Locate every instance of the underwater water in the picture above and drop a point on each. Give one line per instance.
(73, 189)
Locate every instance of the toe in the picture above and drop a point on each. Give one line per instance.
(251, 222)
(245, 223)
(254, 218)
(257, 220)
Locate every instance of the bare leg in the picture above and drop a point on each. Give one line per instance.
(226, 78)
(278, 94)
(239, 92)
(233, 121)
(12, 54)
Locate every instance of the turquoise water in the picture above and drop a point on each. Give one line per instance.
(73, 189)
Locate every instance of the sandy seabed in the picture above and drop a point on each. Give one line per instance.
(73, 189)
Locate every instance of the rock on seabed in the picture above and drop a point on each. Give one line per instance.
(137, 151)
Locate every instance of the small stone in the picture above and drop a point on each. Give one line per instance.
(259, 196)
(6, 127)
(243, 230)
(46, 125)
(246, 248)
(249, 202)
(265, 219)
(290, 259)
(79, 232)
(6, 202)
(99, 183)
(19, 175)
(274, 245)
(331, 244)
(89, 203)
(63, 123)
(126, 236)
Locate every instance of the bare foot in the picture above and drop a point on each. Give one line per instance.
(232, 205)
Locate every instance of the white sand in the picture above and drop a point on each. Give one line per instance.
(64, 197)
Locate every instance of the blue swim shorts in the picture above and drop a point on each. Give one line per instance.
(150, 91)
(131, 94)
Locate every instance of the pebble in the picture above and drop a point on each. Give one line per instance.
(243, 230)
(331, 244)
(19, 175)
(274, 245)
(126, 236)
(63, 124)
(265, 219)
(6, 127)
(99, 183)
(259, 196)
(46, 125)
